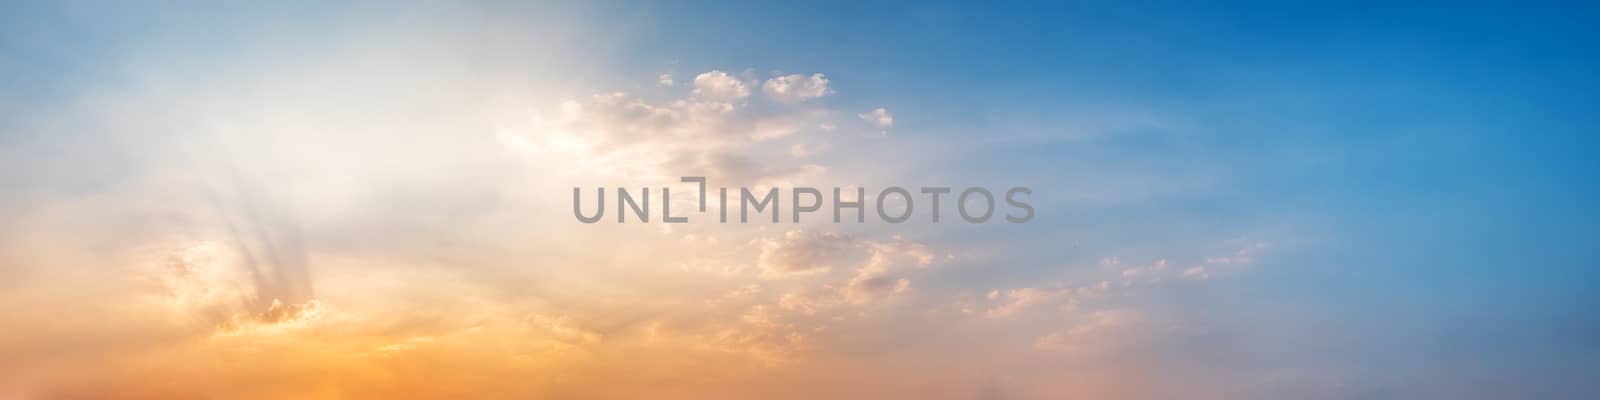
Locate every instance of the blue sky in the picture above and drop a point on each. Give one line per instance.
(1387, 201)
(1442, 150)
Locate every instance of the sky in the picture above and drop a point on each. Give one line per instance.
(374, 200)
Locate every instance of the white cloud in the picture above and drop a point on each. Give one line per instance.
(1243, 256)
(618, 134)
(878, 117)
(879, 271)
(664, 80)
(799, 252)
(1099, 332)
(1151, 271)
(796, 88)
(1018, 300)
(718, 85)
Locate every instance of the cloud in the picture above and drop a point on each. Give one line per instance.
(738, 293)
(866, 286)
(1152, 271)
(718, 85)
(214, 286)
(709, 133)
(763, 334)
(1094, 291)
(664, 80)
(802, 252)
(1125, 279)
(878, 117)
(1241, 257)
(1099, 332)
(1018, 300)
(276, 319)
(563, 328)
(1228, 264)
(874, 278)
(809, 303)
(800, 150)
(796, 88)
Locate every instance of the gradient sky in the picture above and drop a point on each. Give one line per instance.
(305, 201)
